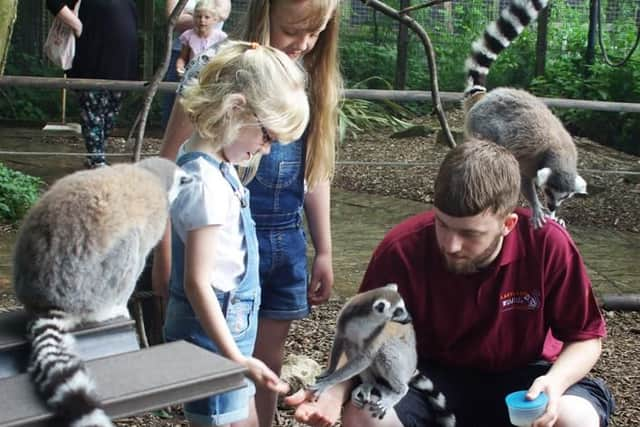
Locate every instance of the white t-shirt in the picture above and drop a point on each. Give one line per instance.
(212, 201)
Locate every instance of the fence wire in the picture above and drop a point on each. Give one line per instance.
(369, 39)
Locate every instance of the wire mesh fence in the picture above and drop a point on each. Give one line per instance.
(369, 39)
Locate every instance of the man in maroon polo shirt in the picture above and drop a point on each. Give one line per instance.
(497, 305)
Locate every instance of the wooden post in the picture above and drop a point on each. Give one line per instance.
(627, 302)
(147, 39)
(402, 53)
(590, 54)
(541, 42)
(376, 36)
(8, 13)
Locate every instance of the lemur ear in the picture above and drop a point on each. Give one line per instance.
(392, 286)
(542, 176)
(380, 305)
(580, 186)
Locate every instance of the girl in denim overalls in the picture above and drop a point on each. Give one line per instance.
(245, 98)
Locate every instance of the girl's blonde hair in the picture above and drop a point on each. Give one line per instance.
(220, 9)
(248, 85)
(325, 81)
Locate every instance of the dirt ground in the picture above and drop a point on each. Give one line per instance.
(613, 202)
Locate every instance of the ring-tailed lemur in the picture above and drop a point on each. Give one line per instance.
(375, 335)
(77, 256)
(518, 120)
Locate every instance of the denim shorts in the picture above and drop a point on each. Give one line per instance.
(283, 273)
(242, 318)
(477, 399)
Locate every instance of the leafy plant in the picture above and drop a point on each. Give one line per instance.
(18, 192)
(568, 76)
(360, 114)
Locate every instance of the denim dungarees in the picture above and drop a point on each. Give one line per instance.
(239, 306)
(277, 197)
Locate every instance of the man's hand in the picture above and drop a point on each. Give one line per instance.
(323, 412)
(545, 384)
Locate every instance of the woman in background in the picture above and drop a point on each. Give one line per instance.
(106, 48)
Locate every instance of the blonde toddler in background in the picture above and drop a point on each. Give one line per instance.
(207, 15)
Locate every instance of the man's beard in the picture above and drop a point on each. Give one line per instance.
(470, 266)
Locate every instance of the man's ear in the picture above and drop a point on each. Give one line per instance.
(509, 223)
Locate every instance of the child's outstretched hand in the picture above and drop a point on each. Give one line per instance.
(261, 374)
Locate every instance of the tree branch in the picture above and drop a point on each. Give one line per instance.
(431, 61)
(140, 122)
(421, 6)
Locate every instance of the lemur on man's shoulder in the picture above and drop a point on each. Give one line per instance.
(518, 120)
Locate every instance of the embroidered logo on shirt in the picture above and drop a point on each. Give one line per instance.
(519, 300)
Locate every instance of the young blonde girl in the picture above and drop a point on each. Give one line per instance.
(307, 31)
(207, 15)
(246, 97)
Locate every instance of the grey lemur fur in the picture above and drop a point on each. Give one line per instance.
(518, 120)
(376, 340)
(77, 257)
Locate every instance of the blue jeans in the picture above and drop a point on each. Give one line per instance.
(242, 319)
(283, 273)
(277, 195)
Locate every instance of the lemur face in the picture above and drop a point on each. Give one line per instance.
(558, 187)
(392, 310)
(400, 314)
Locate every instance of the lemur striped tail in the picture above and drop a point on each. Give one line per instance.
(497, 36)
(442, 415)
(60, 375)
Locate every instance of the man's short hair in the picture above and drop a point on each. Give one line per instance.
(475, 177)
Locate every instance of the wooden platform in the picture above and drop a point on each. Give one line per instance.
(98, 340)
(128, 380)
(132, 383)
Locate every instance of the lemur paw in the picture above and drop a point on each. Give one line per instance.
(560, 221)
(318, 388)
(379, 405)
(538, 219)
(361, 395)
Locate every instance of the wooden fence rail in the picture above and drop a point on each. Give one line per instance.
(369, 94)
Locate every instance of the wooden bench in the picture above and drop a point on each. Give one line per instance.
(128, 381)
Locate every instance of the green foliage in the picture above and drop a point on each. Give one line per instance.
(361, 58)
(567, 76)
(18, 192)
(21, 103)
(357, 115)
(369, 49)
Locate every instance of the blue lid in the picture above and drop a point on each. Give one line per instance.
(518, 400)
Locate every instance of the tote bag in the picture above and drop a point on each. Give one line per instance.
(60, 46)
